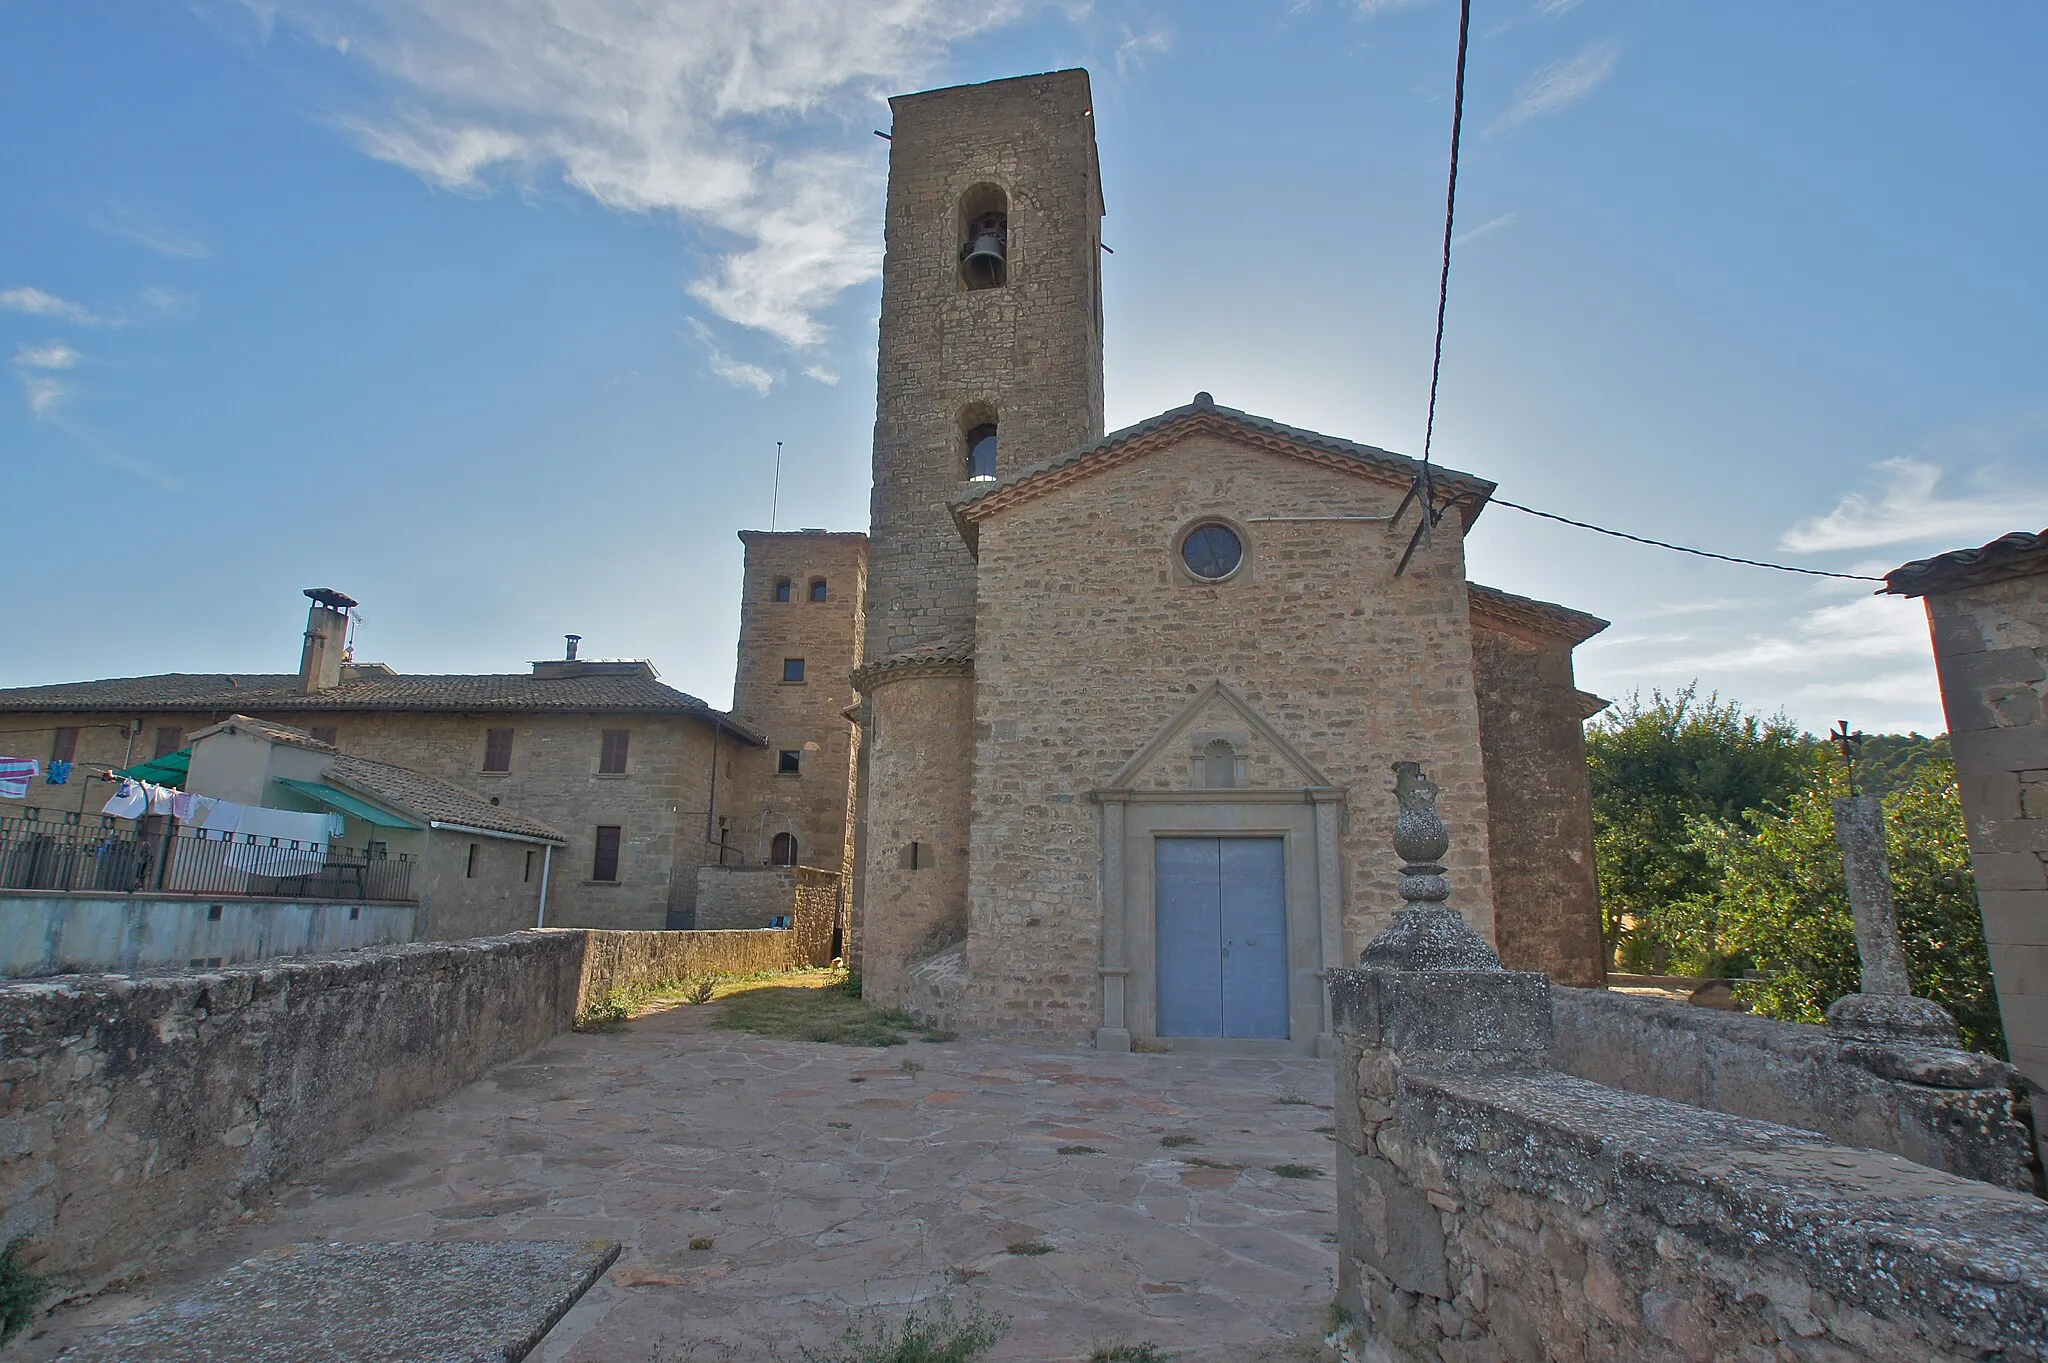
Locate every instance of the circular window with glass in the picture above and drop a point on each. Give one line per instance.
(1211, 551)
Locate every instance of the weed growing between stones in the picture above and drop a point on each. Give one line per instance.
(1201, 1163)
(1029, 1249)
(1130, 1353)
(701, 1242)
(1079, 1150)
(1176, 1142)
(20, 1290)
(1292, 1100)
(1297, 1171)
(944, 1335)
(607, 1014)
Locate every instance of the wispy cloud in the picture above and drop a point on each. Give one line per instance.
(1372, 9)
(55, 355)
(820, 373)
(1911, 509)
(44, 393)
(36, 303)
(1842, 638)
(1550, 9)
(150, 234)
(1562, 84)
(725, 113)
(738, 373)
(1490, 225)
(1136, 47)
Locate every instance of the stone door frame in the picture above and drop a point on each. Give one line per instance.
(1308, 819)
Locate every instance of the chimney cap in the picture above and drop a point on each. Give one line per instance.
(332, 599)
(571, 640)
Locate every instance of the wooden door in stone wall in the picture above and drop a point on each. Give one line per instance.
(1221, 932)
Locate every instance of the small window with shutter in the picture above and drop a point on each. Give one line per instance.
(497, 750)
(169, 738)
(323, 733)
(611, 756)
(65, 748)
(604, 865)
(819, 591)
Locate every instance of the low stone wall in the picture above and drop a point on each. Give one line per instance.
(134, 1110)
(1942, 1108)
(43, 933)
(736, 897)
(641, 960)
(1490, 1207)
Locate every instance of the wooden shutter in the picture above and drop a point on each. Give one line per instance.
(498, 750)
(65, 748)
(605, 864)
(611, 756)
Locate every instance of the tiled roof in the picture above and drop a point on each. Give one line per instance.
(508, 693)
(263, 728)
(1544, 617)
(2020, 554)
(951, 656)
(1204, 415)
(430, 800)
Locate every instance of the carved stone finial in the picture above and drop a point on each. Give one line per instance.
(1427, 934)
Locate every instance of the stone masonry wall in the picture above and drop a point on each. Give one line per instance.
(920, 765)
(134, 1110)
(615, 961)
(497, 893)
(1539, 801)
(730, 897)
(805, 717)
(1948, 1110)
(1090, 638)
(1991, 650)
(1491, 1208)
(1027, 355)
(660, 801)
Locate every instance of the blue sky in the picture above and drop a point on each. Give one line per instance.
(490, 312)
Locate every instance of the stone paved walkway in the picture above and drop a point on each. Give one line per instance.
(768, 1192)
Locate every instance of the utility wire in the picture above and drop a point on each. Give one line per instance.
(1679, 548)
(1443, 286)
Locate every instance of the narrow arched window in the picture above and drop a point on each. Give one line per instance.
(782, 851)
(818, 592)
(782, 589)
(981, 453)
(984, 237)
(1219, 765)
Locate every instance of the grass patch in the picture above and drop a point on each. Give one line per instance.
(1079, 1150)
(1029, 1249)
(1292, 1100)
(701, 1242)
(1201, 1163)
(1130, 1353)
(20, 1290)
(941, 1335)
(816, 1006)
(1176, 1142)
(1297, 1171)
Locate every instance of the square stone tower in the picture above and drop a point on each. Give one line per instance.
(991, 318)
(990, 360)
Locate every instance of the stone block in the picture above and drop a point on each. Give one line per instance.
(1501, 1014)
(2014, 917)
(2009, 871)
(1394, 1228)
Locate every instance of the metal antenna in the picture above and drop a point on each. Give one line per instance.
(775, 498)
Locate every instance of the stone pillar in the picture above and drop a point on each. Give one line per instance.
(1430, 991)
(1886, 1009)
(1987, 609)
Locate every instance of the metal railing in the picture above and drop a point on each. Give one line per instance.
(104, 857)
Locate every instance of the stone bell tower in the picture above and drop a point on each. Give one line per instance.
(990, 360)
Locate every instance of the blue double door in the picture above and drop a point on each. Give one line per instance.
(1221, 933)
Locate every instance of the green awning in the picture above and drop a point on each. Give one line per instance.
(344, 803)
(168, 770)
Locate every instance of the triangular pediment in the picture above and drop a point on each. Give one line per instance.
(1465, 493)
(1174, 757)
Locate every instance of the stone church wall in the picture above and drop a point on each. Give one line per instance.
(1546, 892)
(1089, 639)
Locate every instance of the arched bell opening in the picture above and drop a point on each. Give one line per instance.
(978, 443)
(984, 237)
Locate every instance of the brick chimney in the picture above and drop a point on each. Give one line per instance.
(326, 638)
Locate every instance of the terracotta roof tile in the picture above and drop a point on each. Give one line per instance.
(432, 800)
(2020, 554)
(1544, 617)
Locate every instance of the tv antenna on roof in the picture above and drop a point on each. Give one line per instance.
(775, 497)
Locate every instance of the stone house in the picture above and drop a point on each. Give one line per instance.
(645, 782)
(1121, 693)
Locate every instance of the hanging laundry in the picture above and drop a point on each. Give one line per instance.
(129, 801)
(159, 798)
(190, 809)
(278, 842)
(59, 774)
(337, 826)
(220, 818)
(15, 775)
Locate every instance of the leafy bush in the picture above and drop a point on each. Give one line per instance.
(943, 1336)
(20, 1290)
(606, 1014)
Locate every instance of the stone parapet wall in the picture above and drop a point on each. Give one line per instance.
(1946, 1109)
(1490, 1207)
(134, 1110)
(736, 897)
(615, 961)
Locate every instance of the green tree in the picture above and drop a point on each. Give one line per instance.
(1659, 769)
(1778, 897)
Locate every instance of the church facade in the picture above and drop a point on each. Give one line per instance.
(1129, 702)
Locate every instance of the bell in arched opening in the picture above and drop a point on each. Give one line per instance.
(981, 453)
(984, 260)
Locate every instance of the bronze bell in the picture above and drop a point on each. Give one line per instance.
(984, 261)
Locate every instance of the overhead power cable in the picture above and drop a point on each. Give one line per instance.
(1678, 548)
